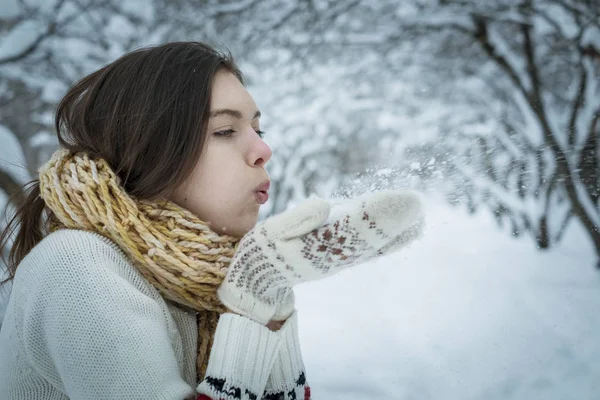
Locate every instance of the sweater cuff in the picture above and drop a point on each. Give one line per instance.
(240, 359)
(288, 374)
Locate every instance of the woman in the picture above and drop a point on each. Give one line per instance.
(129, 276)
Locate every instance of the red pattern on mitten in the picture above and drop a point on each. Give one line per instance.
(307, 393)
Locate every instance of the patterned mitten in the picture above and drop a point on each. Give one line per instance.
(313, 241)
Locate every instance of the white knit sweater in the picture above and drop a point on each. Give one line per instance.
(83, 323)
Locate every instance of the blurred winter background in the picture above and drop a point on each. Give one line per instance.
(491, 109)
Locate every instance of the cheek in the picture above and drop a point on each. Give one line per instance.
(222, 186)
(224, 173)
(222, 199)
(219, 191)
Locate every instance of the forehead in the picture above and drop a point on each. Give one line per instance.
(228, 92)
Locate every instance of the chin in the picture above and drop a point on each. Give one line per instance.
(239, 229)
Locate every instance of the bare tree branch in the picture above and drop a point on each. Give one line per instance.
(481, 34)
(579, 100)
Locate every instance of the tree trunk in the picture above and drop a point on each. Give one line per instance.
(543, 239)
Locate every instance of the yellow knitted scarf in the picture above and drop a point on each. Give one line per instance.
(174, 250)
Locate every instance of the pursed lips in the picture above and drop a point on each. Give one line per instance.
(262, 192)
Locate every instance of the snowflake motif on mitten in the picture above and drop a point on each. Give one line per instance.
(339, 243)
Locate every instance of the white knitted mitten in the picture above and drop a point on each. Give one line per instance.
(311, 242)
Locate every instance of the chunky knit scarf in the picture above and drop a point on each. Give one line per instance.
(174, 250)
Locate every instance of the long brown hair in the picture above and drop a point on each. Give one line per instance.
(146, 114)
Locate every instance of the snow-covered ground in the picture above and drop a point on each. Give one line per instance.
(466, 313)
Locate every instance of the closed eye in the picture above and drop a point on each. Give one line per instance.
(226, 133)
(230, 132)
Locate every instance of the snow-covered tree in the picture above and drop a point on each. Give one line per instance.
(532, 71)
(45, 46)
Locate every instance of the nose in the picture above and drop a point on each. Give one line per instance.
(260, 153)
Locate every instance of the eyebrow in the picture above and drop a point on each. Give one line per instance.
(234, 113)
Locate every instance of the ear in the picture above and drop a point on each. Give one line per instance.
(300, 220)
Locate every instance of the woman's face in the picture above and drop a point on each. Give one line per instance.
(223, 190)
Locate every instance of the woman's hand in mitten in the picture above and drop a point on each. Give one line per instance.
(313, 241)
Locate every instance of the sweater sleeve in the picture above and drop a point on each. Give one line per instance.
(93, 335)
(287, 379)
(240, 359)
